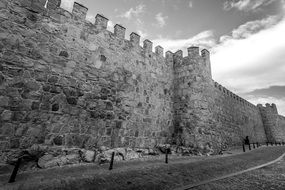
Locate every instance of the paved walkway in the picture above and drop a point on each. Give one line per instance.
(267, 178)
(145, 175)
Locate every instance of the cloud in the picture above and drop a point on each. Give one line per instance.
(252, 27)
(190, 4)
(133, 12)
(134, 15)
(251, 59)
(272, 91)
(246, 5)
(204, 39)
(142, 34)
(161, 20)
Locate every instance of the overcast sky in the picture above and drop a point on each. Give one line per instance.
(245, 37)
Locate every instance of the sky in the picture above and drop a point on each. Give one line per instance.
(246, 38)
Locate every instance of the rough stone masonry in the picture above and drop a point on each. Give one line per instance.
(65, 81)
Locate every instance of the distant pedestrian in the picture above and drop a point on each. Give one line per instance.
(246, 140)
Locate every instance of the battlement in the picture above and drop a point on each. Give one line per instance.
(232, 95)
(193, 53)
(269, 108)
(79, 13)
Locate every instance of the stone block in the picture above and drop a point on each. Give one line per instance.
(4, 101)
(53, 4)
(101, 22)
(147, 45)
(159, 50)
(193, 51)
(119, 31)
(89, 156)
(6, 115)
(79, 11)
(37, 6)
(135, 39)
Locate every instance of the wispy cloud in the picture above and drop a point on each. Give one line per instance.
(272, 91)
(133, 12)
(247, 60)
(190, 4)
(246, 5)
(252, 27)
(204, 39)
(134, 15)
(143, 34)
(161, 20)
(252, 58)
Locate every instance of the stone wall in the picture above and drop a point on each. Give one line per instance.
(207, 114)
(274, 124)
(237, 117)
(193, 104)
(66, 81)
(281, 127)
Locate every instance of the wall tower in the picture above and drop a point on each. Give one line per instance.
(271, 122)
(192, 97)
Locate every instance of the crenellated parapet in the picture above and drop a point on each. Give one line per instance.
(79, 12)
(194, 57)
(269, 108)
(234, 97)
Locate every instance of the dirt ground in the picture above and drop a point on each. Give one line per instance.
(155, 174)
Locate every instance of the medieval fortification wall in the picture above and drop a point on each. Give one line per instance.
(66, 81)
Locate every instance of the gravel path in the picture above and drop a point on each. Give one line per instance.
(145, 175)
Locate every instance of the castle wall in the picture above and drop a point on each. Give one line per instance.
(237, 118)
(207, 114)
(274, 124)
(193, 104)
(281, 127)
(66, 81)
